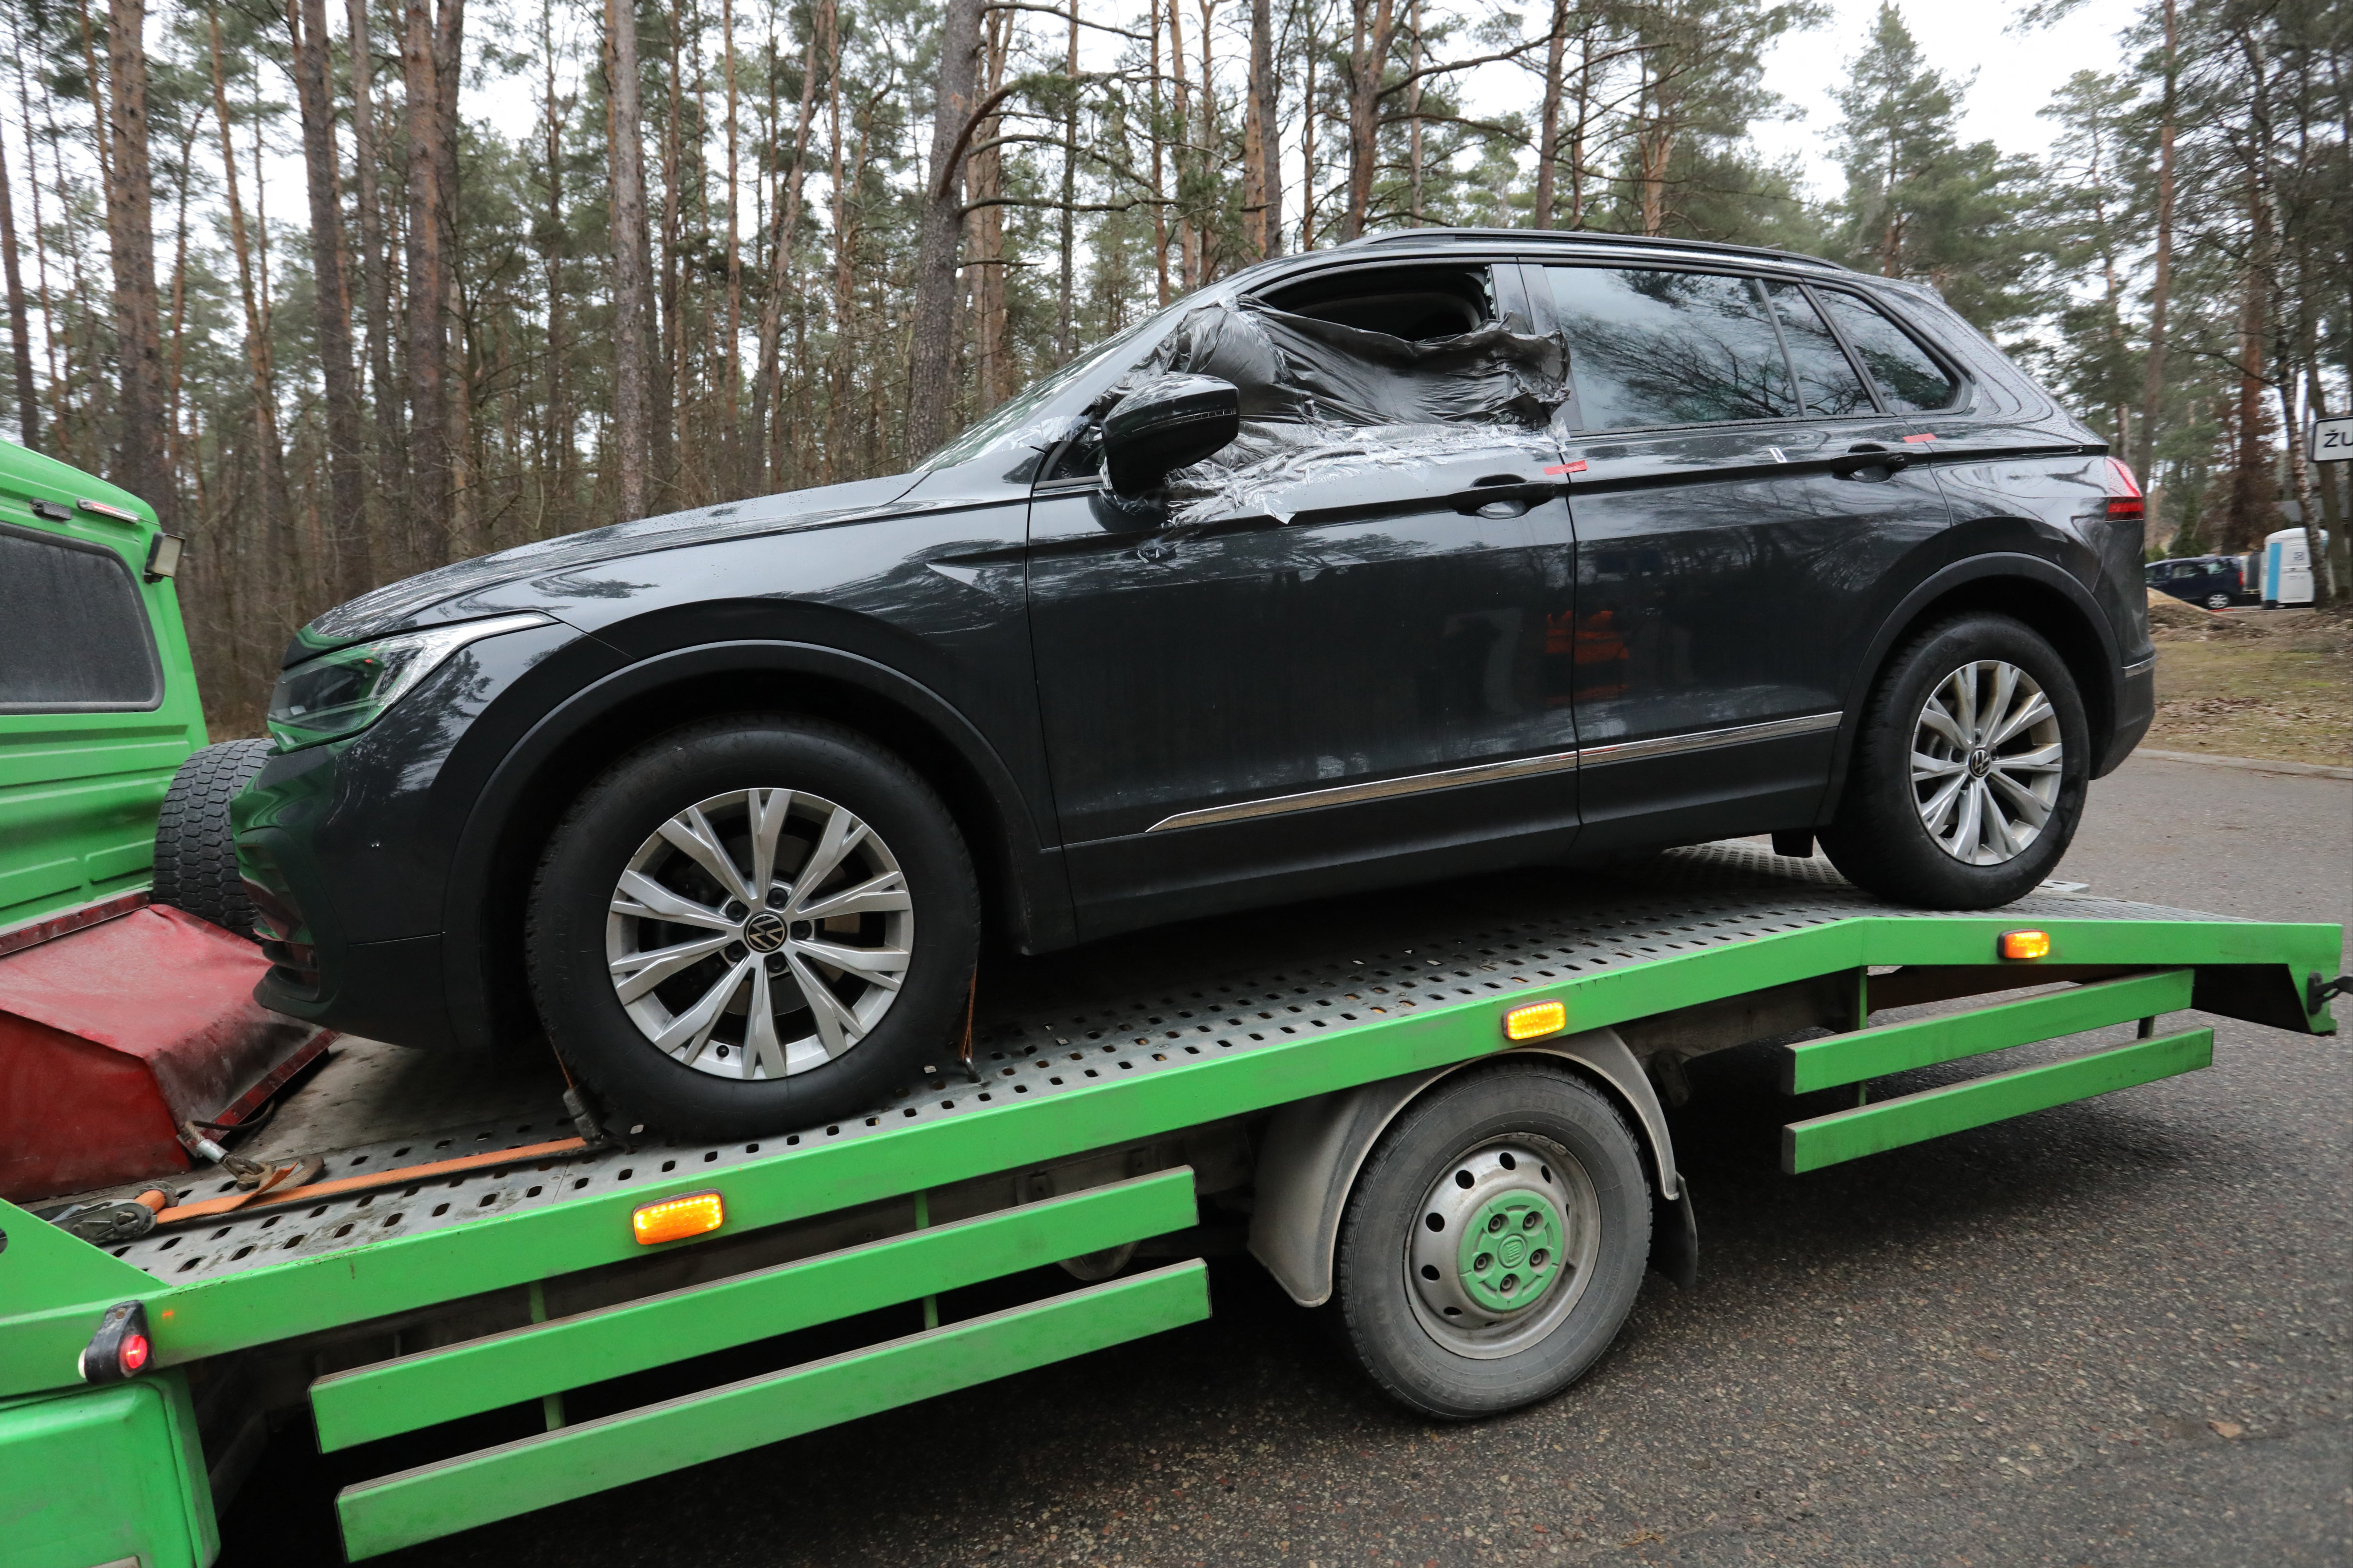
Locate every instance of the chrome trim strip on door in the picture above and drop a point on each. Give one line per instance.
(1708, 739)
(1381, 789)
(1496, 772)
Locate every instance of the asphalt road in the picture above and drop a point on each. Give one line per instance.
(2113, 1333)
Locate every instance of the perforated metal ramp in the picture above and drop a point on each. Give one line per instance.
(1061, 1032)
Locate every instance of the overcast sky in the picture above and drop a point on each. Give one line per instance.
(2015, 75)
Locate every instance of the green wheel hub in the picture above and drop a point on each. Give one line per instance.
(1510, 1252)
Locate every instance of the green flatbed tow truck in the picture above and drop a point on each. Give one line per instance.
(1451, 1131)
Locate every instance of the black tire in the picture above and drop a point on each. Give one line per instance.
(1390, 1323)
(196, 846)
(618, 816)
(2218, 601)
(1880, 840)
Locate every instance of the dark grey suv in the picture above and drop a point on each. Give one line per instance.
(1435, 553)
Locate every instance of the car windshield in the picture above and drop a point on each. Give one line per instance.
(1010, 415)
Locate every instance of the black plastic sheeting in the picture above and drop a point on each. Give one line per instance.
(1324, 403)
(1302, 370)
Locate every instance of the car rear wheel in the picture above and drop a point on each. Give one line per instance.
(1494, 1243)
(2218, 601)
(753, 925)
(1970, 770)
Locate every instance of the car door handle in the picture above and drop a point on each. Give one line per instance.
(1867, 454)
(1501, 498)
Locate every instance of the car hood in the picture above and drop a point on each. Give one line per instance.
(444, 592)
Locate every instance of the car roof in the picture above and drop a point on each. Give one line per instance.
(1584, 239)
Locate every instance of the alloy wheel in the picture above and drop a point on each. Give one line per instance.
(759, 933)
(1987, 762)
(1501, 1246)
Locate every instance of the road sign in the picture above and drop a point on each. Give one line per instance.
(2332, 439)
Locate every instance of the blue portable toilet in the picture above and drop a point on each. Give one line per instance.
(2287, 568)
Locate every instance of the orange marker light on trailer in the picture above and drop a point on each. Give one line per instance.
(1536, 1020)
(675, 1219)
(2026, 944)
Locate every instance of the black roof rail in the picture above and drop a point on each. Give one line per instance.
(1589, 237)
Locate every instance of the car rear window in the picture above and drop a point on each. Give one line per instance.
(1648, 348)
(73, 633)
(1909, 380)
(1826, 377)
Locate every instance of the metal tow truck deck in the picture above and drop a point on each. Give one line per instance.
(1331, 1084)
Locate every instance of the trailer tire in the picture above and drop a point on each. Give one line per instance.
(887, 928)
(195, 844)
(1535, 1157)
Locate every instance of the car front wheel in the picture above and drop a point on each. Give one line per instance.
(1969, 772)
(753, 925)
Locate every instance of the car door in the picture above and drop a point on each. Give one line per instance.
(1740, 500)
(1337, 680)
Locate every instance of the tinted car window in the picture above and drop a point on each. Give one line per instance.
(1668, 348)
(1908, 379)
(1826, 377)
(73, 635)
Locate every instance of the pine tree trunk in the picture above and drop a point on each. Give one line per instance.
(632, 303)
(2160, 286)
(1065, 345)
(668, 385)
(765, 386)
(987, 182)
(278, 573)
(20, 339)
(429, 409)
(929, 394)
(1374, 24)
(140, 466)
(306, 21)
(731, 485)
(1548, 127)
(396, 552)
(558, 442)
(1265, 151)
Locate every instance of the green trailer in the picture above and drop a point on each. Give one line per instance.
(1454, 1131)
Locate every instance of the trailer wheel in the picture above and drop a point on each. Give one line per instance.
(1494, 1242)
(753, 925)
(196, 846)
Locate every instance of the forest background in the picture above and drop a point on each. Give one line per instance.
(735, 247)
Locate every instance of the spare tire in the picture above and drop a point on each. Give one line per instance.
(196, 848)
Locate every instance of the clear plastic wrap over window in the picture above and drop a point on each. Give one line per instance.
(1322, 402)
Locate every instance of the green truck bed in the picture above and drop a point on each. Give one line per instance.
(1118, 1101)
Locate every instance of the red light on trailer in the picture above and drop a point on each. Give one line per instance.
(2125, 503)
(120, 1346)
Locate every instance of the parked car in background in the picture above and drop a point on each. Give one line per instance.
(2213, 581)
(1437, 553)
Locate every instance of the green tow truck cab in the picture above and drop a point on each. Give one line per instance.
(97, 695)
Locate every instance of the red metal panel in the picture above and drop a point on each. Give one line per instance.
(111, 1036)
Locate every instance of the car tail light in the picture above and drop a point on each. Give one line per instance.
(2125, 503)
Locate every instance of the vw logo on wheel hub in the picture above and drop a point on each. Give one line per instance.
(764, 932)
(1981, 762)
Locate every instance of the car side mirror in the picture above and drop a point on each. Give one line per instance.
(1166, 425)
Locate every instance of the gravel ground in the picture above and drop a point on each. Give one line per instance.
(2113, 1333)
